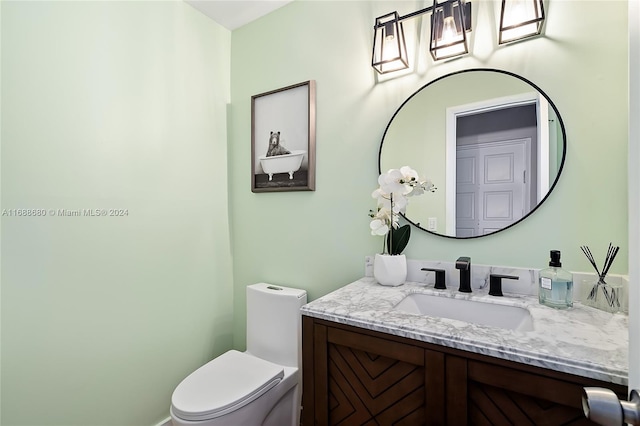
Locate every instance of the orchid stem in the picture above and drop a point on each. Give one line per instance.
(390, 242)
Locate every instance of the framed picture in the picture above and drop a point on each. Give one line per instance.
(283, 139)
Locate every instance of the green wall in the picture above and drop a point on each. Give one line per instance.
(146, 106)
(318, 240)
(111, 105)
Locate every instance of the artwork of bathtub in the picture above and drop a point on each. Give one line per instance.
(288, 163)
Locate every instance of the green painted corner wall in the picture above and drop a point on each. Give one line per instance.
(146, 106)
(111, 105)
(318, 240)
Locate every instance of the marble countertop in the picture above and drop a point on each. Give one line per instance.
(581, 340)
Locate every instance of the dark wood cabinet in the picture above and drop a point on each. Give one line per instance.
(354, 376)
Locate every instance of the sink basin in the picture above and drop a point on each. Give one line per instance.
(475, 312)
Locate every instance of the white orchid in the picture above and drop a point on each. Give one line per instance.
(382, 220)
(408, 174)
(395, 186)
(392, 182)
(379, 227)
(421, 188)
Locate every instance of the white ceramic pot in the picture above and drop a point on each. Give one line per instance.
(390, 270)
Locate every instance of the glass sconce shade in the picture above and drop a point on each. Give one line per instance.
(389, 47)
(449, 24)
(520, 19)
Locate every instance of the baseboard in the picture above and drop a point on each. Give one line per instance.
(165, 422)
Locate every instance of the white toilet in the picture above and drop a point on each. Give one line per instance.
(261, 386)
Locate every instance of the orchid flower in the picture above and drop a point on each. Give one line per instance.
(395, 186)
(379, 227)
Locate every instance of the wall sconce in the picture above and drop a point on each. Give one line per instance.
(389, 47)
(449, 24)
(520, 19)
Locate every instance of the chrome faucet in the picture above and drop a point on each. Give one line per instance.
(464, 265)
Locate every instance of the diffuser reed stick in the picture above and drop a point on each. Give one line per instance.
(611, 294)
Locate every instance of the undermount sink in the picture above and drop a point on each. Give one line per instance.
(471, 311)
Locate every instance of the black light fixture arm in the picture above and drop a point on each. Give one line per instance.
(428, 9)
(416, 13)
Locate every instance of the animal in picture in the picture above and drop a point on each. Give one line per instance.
(274, 146)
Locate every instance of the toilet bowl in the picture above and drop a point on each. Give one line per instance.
(259, 387)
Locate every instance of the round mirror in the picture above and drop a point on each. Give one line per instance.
(491, 141)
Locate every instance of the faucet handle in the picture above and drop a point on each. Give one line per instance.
(440, 277)
(495, 283)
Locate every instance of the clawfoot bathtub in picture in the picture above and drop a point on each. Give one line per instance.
(287, 163)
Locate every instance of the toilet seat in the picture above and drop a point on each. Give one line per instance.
(223, 385)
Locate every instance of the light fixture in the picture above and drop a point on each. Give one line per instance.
(447, 37)
(520, 19)
(450, 21)
(389, 47)
(449, 24)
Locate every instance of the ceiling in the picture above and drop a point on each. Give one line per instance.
(233, 14)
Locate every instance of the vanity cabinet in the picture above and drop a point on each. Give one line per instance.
(355, 376)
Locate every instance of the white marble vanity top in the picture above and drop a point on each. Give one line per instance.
(581, 340)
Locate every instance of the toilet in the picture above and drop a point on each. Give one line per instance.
(259, 387)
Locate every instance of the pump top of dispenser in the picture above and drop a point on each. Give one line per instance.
(555, 258)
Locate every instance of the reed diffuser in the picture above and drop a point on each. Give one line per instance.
(611, 293)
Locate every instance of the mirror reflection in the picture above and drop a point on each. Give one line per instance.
(491, 141)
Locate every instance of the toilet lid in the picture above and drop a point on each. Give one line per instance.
(223, 385)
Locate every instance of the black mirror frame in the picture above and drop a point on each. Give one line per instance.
(555, 182)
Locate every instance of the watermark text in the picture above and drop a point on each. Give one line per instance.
(65, 212)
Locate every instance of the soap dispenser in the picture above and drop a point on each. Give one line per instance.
(556, 284)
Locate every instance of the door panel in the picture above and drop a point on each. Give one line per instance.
(492, 190)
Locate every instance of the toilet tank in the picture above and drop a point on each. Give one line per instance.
(274, 323)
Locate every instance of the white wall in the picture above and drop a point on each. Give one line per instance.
(111, 105)
(634, 194)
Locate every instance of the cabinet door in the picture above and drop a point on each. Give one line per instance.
(372, 381)
(499, 395)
